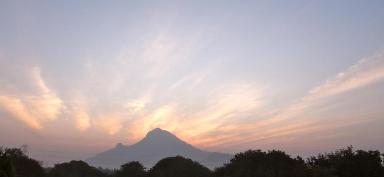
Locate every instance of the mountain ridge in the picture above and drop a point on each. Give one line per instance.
(156, 145)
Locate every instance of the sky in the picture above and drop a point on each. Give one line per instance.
(301, 76)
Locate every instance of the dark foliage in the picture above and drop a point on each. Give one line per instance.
(75, 169)
(131, 169)
(263, 164)
(21, 165)
(348, 163)
(178, 167)
(252, 163)
(6, 167)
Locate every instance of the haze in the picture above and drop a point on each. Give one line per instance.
(226, 76)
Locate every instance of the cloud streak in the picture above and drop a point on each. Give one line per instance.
(365, 72)
(234, 114)
(297, 117)
(18, 110)
(35, 109)
(82, 120)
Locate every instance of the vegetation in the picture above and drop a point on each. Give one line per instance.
(131, 169)
(74, 169)
(347, 163)
(15, 163)
(178, 167)
(6, 167)
(258, 163)
(252, 163)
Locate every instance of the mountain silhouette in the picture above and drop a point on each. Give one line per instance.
(156, 145)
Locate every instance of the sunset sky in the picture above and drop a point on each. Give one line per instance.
(301, 76)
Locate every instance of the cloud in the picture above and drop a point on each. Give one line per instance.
(236, 99)
(365, 72)
(139, 104)
(134, 85)
(180, 117)
(47, 104)
(163, 117)
(82, 120)
(190, 81)
(34, 109)
(298, 117)
(18, 110)
(157, 55)
(187, 121)
(145, 88)
(111, 123)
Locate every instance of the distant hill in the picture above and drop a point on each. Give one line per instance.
(156, 145)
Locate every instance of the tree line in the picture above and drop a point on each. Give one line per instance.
(252, 163)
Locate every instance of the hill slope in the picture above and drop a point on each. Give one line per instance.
(157, 144)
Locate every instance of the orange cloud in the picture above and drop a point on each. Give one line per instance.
(293, 118)
(17, 108)
(34, 110)
(110, 123)
(82, 120)
(363, 73)
(163, 117)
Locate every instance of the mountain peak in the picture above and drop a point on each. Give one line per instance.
(120, 145)
(157, 144)
(161, 136)
(158, 131)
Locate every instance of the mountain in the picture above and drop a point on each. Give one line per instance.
(156, 145)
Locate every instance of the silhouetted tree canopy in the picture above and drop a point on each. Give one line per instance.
(75, 169)
(131, 169)
(253, 163)
(178, 167)
(22, 166)
(6, 166)
(256, 163)
(348, 163)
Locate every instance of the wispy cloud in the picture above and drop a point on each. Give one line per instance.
(177, 116)
(19, 111)
(296, 117)
(139, 104)
(232, 113)
(111, 123)
(226, 107)
(190, 81)
(82, 120)
(133, 86)
(34, 110)
(365, 72)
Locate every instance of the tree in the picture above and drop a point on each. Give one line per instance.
(178, 167)
(131, 169)
(348, 163)
(75, 169)
(6, 167)
(21, 164)
(256, 163)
